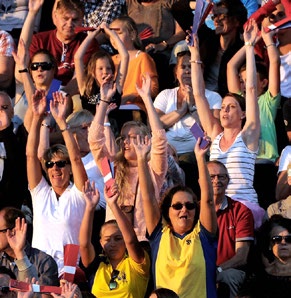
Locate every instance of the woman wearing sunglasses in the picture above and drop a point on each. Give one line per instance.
(58, 205)
(183, 240)
(271, 276)
(123, 270)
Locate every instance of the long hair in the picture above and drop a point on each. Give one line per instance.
(92, 86)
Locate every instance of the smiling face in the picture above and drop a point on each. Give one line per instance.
(112, 242)
(42, 78)
(281, 250)
(231, 114)
(183, 70)
(182, 220)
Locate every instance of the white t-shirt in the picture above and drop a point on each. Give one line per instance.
(179, 135)
(56, 222)
(285, 158)
(285, 75)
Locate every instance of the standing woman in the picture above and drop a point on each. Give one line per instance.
(234, 144)
(125, 161)
(58, 206)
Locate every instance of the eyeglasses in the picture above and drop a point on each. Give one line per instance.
(43, 65)
(4, 290)
(112, 282)
(5, 230)
(219, 16)
(276, 17)
(221, 177)
(129, 139)
(278, 239)
(60, 164)
(188, 205)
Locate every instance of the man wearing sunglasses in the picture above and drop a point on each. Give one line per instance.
(17, 255)
(236, 233)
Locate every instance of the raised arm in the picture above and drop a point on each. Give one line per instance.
(124, 56)
(87, 251)
(251, 129)
(151, 207)
(34, 172)
(274, 62)
(207, 210)
(79, 59)
(133, 246)
(210, 124)
(58, 109)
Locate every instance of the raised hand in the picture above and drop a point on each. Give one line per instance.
(199, 152)
(142, 146)
(58, 105)
(17, 237)
(251, 32)
(68, 290)
(39, 102)
(35, 5)
(145, 90)
(111, 194)
(20, 57)
(107, 88)
(91, 194)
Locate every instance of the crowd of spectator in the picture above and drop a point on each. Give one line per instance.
(99, 106)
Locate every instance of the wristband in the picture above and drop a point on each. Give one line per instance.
(108, 102)
(107, 124)
(46, 125)
(271, 44)
(196, 61)
(23, 70)
(249, 43)
(67, 128)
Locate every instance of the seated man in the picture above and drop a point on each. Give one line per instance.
(16, 253)
(236, 231)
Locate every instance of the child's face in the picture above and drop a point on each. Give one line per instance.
(125, 36)
(261, 84)
(102, 69)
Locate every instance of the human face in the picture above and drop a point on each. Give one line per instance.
(278, 14)
(81, 136)
(219, 179)
(42, 78)
(182, 220)
(231, 113)
(282, 250)
(3, 234)
(261, 84)
(127, 138)
(102, 69)
(183, 71)
(66, 22)
(125, 36)
(6, 111)
(59, 177)
(112, 242)
(224, 24)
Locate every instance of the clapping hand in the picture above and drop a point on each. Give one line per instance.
(145, 90)
(251, 32)
(58, 105)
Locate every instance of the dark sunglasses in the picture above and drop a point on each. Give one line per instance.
(5, 230)
(5, 290)
(278, 239)
(112, 282)
(42, 65)
(219, 16)
(188, 205)
(59, 164)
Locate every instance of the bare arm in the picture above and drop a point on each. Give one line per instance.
(134, 248)
(210, 124)
(251, 129)
(58, 110)
(150, 204)
(207, 211)
(6, 71)
(169, 119)
(283, 188)
(34, 173)
(87, 251)
(242, 249)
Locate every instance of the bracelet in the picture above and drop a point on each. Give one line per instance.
(249, 43)
(108, 102)
(67, 128)
(46, 125)
(23, 70)
(165, 43)
(107, 124)
(271, 44)
(196, 61)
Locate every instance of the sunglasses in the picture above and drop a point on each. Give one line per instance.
(112, 282)
(60, 164)
(4, 290)
(219, 16)
(278, 239)
(188, 205)
(43, 65)
(5, 230)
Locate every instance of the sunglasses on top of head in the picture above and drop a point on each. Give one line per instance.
(43, 65)
(188, 205)
(59, 164)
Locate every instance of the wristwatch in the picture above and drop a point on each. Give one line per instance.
(192, 109)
